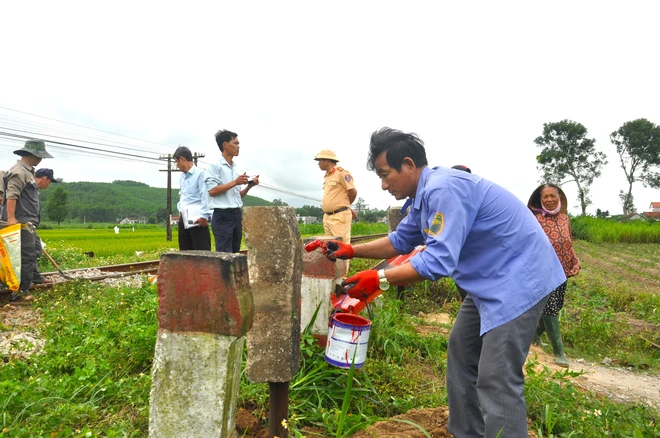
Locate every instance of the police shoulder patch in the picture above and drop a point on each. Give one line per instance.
(437, 225)
(347, 177)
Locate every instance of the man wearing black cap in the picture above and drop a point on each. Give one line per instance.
(21, 205)
(43, 177)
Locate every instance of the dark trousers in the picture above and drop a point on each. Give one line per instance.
(194, 238)
(461, 292)
(227, 229)
(39, 250)
(28, 258)
(485, 381)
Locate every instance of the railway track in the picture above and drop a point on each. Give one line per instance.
(99, 273)
(96, 273)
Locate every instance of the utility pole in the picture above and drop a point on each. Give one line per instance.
(169, 171)
(168, 210)
(196, 156)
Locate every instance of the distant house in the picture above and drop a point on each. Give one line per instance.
(652, 215)
(174, 220)
(634, 216)
(307, 219)
(133, 220)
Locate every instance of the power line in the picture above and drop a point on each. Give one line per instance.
(8, 134)
(81, 126)
(33, 129)
(40, 135)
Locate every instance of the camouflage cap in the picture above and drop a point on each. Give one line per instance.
(34, 147)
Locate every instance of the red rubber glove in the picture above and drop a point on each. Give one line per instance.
(363, 283)
(334, 249)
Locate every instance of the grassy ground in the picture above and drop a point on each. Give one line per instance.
(93, 377)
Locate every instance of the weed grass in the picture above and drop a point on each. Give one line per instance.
(93, 377)
(602, 230)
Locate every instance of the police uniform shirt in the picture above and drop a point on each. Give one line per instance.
(484, 238)
(22, 187)
(336, 184)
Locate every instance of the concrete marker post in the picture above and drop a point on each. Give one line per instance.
(394, 218)
(275, 265)
(319, 278)
(205, 308)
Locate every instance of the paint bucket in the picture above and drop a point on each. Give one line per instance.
(348, 337)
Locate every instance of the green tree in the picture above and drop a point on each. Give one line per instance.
(372, 215)
(161, 215)
(279, 202)
(310, 210)
(627, 202)
(602, 214)
(568, 152)
(360, 207)
(57, 205)
(638, 145)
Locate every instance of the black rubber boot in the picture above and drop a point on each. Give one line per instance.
(552, 327)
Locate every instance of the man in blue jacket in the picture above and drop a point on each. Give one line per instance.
(484, 238)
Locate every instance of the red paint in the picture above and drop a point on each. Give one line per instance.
(405, 258)
(317, 265)
(350, 305)
(313, 245)
(204, 292)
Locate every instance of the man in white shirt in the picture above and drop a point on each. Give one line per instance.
(226, 196)
(192, 196)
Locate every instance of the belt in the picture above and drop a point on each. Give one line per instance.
(336, 211)
(228, 210)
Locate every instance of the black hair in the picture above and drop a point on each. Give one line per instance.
(535, 200)
(184, 152)
(223, 135)
(398, 146)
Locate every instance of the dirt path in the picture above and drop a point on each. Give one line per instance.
(619, 384)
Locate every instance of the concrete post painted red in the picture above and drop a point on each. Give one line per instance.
(319, 278)
(205, 308)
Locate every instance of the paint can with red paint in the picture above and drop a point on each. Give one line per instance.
(348, 339)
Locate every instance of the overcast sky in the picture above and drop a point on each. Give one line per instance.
(475, 80)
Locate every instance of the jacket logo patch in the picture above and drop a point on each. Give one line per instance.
(437, 225)
(347, 178)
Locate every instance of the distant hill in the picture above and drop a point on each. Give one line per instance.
(109, 202)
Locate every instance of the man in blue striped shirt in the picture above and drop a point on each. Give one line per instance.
(223, 183)
(192, 194)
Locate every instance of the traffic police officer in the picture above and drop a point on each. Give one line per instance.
(338, 194)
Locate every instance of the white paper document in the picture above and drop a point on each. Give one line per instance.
(190, 213)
